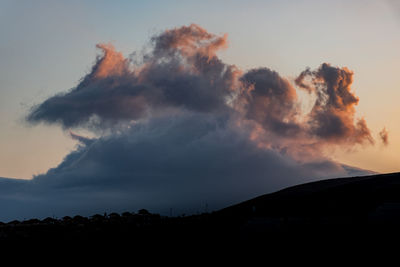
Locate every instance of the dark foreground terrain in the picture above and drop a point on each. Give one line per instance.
(345, 212)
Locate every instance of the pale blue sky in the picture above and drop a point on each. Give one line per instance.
(47, 46)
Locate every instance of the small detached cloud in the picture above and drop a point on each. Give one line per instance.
(384, 136)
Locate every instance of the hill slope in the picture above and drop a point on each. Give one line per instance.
(344, 211)
(350, 197)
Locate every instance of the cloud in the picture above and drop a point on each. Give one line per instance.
(332, 118)
(180, 162)
(82, 139)
(177, 128)
(182, 71)
(384, 135)
(271, 101)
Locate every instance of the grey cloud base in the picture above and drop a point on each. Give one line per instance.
(182, 162)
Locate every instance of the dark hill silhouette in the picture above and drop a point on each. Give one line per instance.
(345, 211)
(352, 213)
(350, 197)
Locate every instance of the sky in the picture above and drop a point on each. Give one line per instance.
(49, 47)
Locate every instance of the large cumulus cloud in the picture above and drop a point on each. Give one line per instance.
(177, 128)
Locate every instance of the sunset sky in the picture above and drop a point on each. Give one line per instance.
(48, 47)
